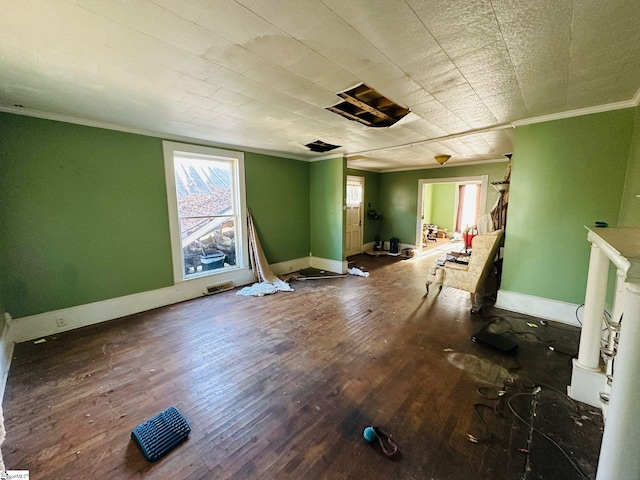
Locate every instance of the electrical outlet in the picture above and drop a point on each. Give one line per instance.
(61, 322)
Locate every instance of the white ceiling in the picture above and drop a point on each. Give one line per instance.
(258, 73)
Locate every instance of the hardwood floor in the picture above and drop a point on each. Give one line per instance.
(281, 387)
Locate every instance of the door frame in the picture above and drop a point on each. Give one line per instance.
(482, 179)
(360, 180)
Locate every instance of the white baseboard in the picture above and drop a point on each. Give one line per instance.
(43, 324)
(329, 265)
(538, 307)
(289, 266)
(6, 354)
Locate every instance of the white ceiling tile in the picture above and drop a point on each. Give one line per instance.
(233, 21)
(436, 113)
(426, 130)
(459, 26)
(539, 44)
(280, 49)
(507, 107)
(230, 80)
(191, 10)
(593, 91)
(329, 36)
(401, 40)
(199, 100)
(194, 85)
(202, 113)
(141, 15)
(598, 25)
(258, 74)
(230, 97)
(55, 20)
(438, 73)
(134, 45)
(293, 85)
(231, 56)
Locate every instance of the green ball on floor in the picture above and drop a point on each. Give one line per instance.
(369, 434)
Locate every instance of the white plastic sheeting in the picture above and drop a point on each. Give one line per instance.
(268, 282)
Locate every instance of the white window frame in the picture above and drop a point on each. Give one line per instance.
(170, 149)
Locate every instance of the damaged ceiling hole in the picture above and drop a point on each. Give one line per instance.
(320, 146)
(365, 105)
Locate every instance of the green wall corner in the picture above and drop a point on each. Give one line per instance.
(327, 197)
(84, 214)
(84, 217)
(443, 205)
(566, 174)
(630, 208)
(280, 206)
(427, 204)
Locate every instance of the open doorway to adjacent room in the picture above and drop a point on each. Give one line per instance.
(447, 206)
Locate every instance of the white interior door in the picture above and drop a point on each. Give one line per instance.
(355, 211)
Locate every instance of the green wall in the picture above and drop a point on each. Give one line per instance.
(371, 201)
(443, 205)
(83, 213)
(280, 206)
(327, 197)
(427, 203)
(630, 210)
(2, 309)
(399, 194)
(566, 174)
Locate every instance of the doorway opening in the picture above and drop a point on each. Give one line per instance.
(447, 206)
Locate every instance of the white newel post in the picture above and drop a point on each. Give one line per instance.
(619, 452)
(619, 457)
(589, 350)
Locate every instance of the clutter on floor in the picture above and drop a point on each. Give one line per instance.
(358, 272)
(261, 268)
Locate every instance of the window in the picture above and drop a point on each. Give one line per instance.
(205, 193)
(468, 206)
(354, 193)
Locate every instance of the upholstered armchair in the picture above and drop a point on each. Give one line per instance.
(469, 277)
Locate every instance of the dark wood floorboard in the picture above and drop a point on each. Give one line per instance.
(282, 386)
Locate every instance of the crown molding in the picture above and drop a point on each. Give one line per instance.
(579, 112)
(149, 133)
(446, 165)
(364, 169)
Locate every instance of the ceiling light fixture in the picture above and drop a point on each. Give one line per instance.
(441, 159)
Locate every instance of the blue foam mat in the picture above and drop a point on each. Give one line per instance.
(160, 434)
